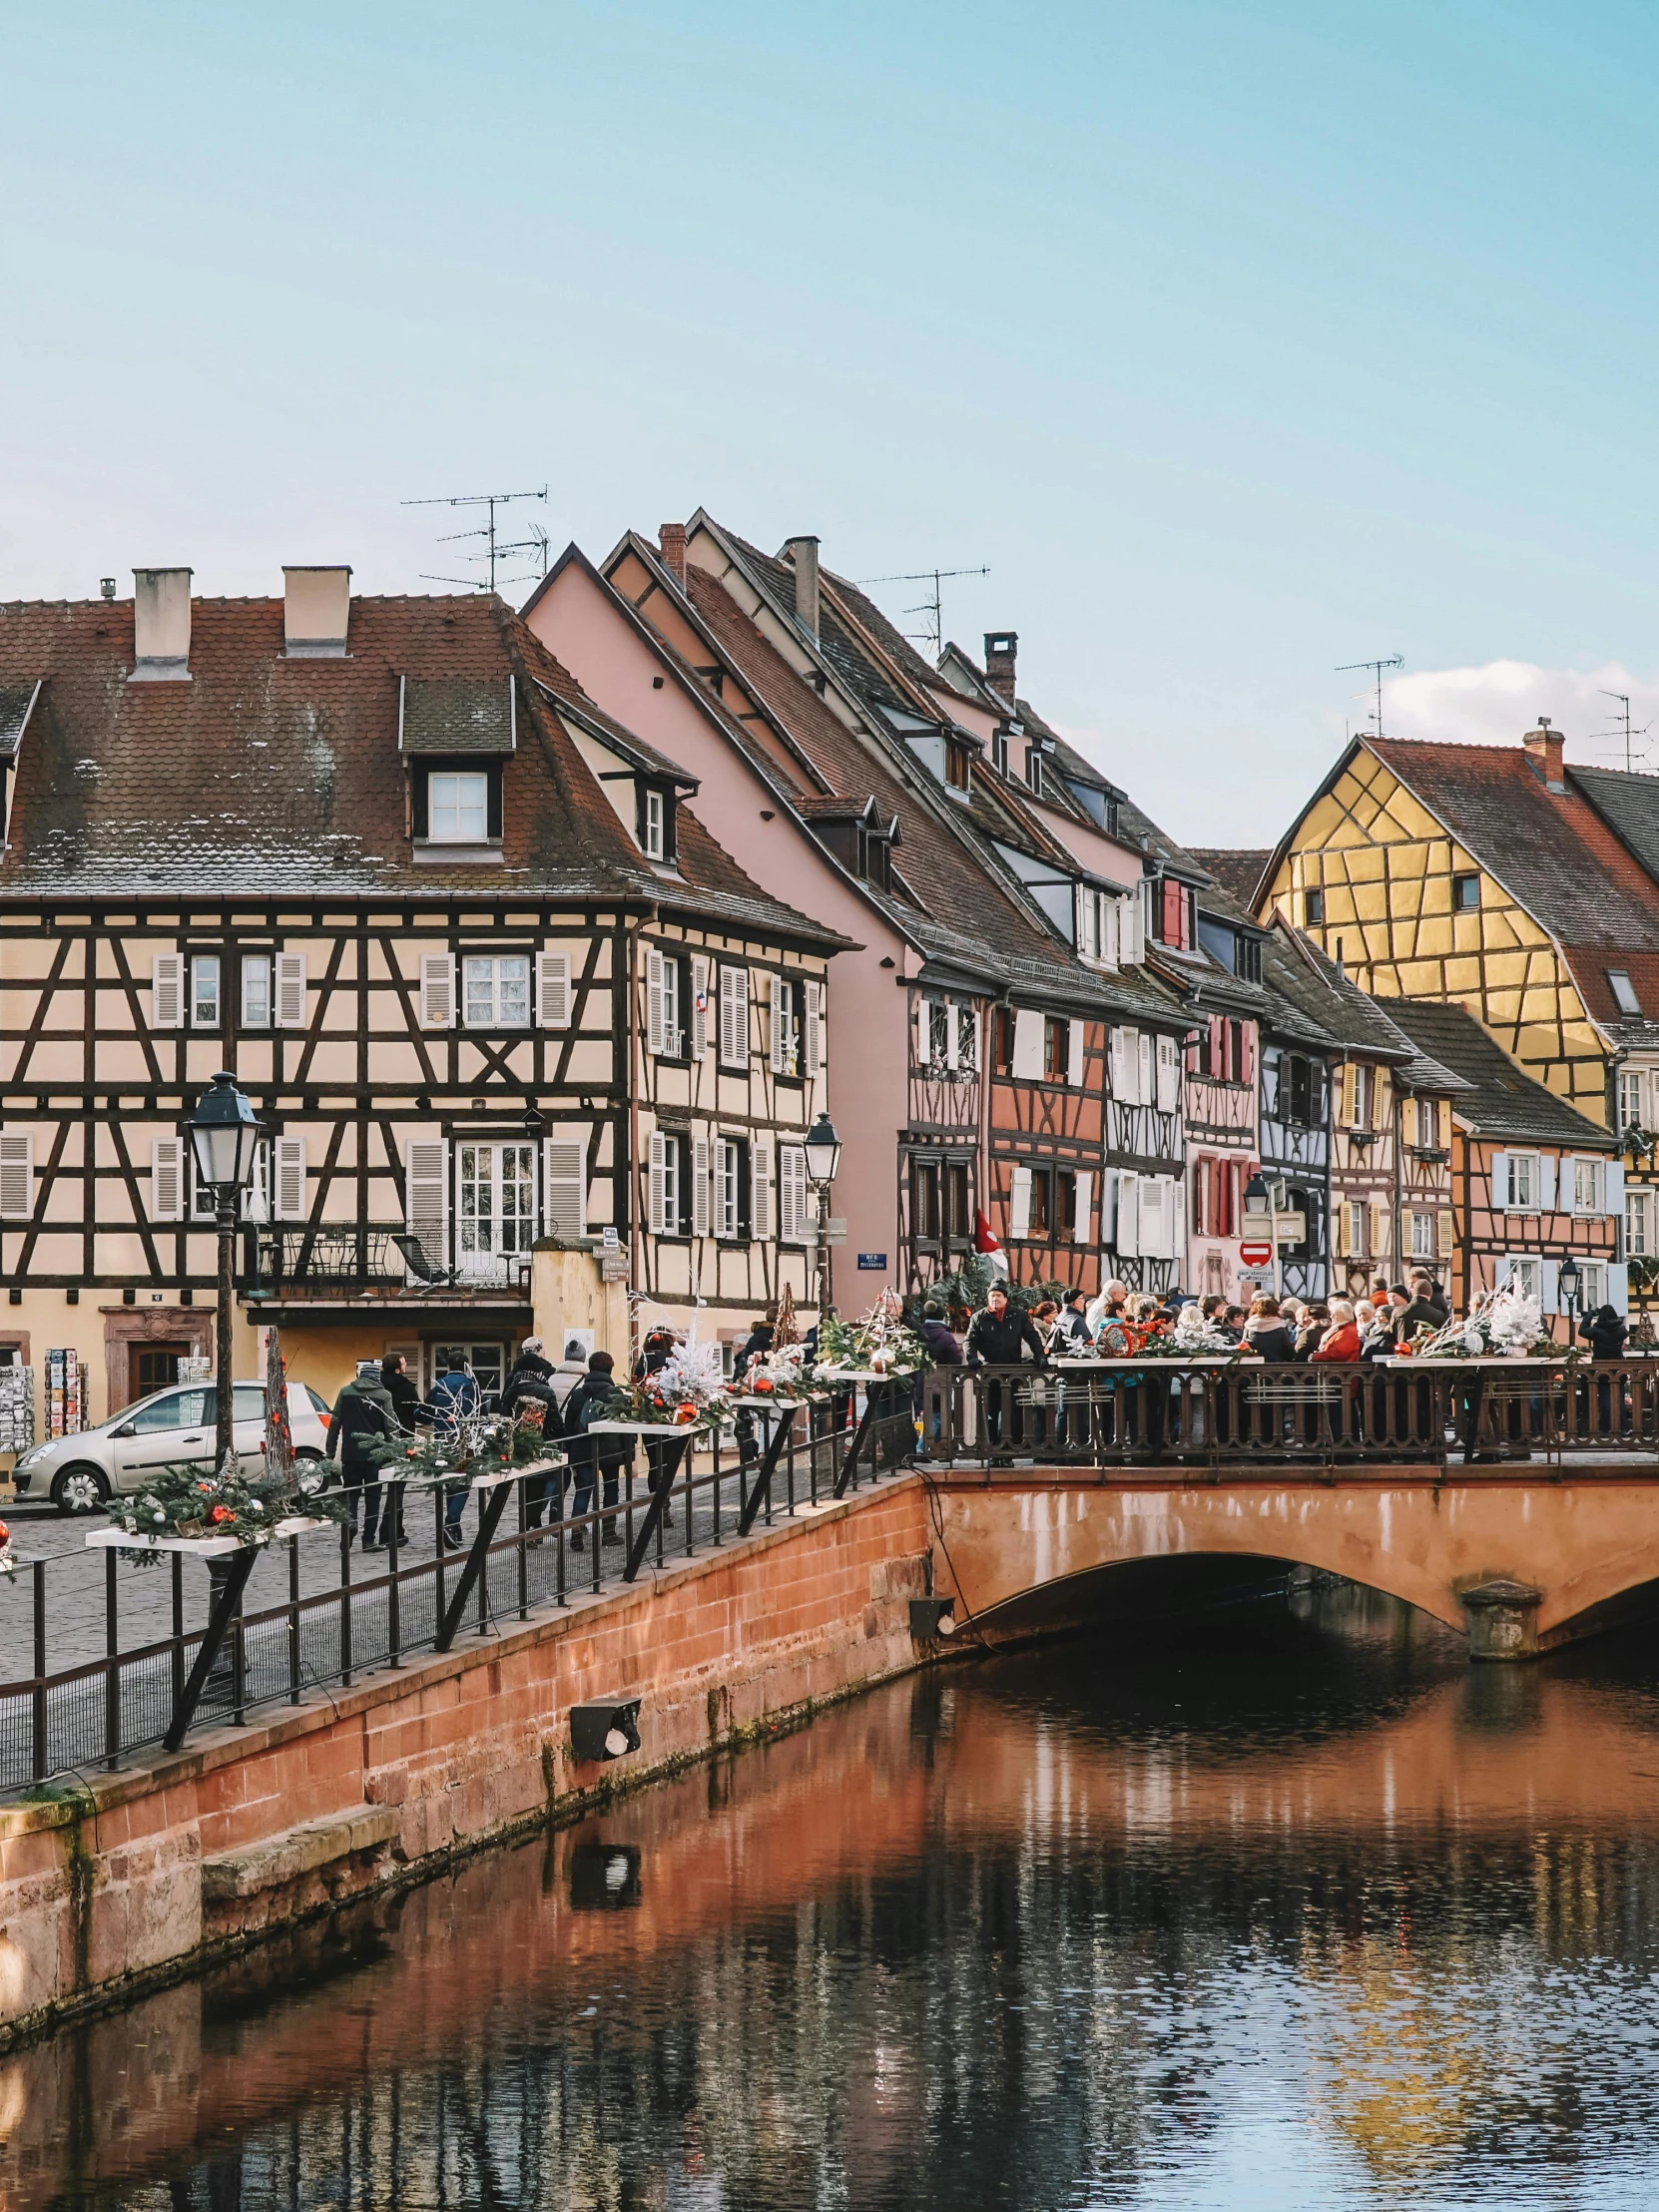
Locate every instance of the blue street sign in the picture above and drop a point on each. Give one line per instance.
(872, 1259)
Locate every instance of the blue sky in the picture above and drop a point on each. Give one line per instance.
(1238, 341)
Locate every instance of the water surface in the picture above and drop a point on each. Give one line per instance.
(1292, 1910)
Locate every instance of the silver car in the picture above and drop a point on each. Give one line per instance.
(172, 1427)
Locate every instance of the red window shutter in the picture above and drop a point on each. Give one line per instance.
(1218, 1062)
(1171, 928)
(1189, 918)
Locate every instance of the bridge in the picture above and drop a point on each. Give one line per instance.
(1516, 1501)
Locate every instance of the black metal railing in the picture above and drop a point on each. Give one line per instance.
(324, 1257)
(310, 1611)
(1134, 1413)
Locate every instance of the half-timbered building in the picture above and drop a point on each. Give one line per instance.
(384, 861)
(1533, 1181)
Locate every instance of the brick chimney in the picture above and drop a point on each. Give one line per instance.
(1002, 648)
(1543, 748)
(670, 543)
(804, 553)
(161, 625)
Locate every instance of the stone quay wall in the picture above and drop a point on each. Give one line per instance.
(116, 1883)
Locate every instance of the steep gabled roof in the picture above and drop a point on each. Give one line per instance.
(1503, 1100)
(1238, 870)
(271, 772)
(1357, 1022)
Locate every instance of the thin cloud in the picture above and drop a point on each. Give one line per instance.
(1498, 703)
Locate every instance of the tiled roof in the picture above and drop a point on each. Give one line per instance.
(15, 701)
(1504, 1101)
(1355, 1021)
(1238, 870)
(262, 770)
(457, 714)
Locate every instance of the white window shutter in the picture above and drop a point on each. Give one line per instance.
(1117, 1057)
(565, 1183)
(167, 992)
(167, 1179)
(759, 1192)
(775, 1024)
(17, 1173)
(1143, 1055)
(814, 1036)
(1501, 1181)
(1546, 1183)
(552, 990)
(654, 1040)
(1019, 1205)
(1129, 1215)
(1132, 915)
(792, 1211)
(1549, 1286)
(733, 1017)
(1028, 1044)
(924, 1034)
(657, 1197)
(288, 1180)
(289, 1010)
(700, 1009)
(720, 1211)
(700, 1185)
(438, 991)
(1612, 1196)
(1169, 1075)
(1085, 1194)
(426, 1198)
(953, 1035)
(1074, 1052)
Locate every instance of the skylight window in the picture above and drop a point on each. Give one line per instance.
(1624, 991)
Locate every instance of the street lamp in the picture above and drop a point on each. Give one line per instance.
(1262, 1198)
(225, 1138)
(1571, 1278)
(823, 1156)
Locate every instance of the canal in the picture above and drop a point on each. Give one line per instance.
(1288, 1909)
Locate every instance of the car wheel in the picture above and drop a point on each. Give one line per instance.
(79, 1488)
(311, 1472)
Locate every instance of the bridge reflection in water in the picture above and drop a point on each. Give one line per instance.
(1267, 1915)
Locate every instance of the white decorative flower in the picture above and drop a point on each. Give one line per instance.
(1473, 1342)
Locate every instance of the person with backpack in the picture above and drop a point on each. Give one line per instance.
(593, 1458)
(362, 1415)
(531, 1384)
(455, 1397)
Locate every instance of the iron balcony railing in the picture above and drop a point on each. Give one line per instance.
(104, 1658)
(325, 1257)
(1209, 1414)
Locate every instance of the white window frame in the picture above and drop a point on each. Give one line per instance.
(448, 811)
(1638, 1224)
(653, 824)
(966, 1019)
(1633, 1096)
(783, 1026)
(257, 979)
(728, 1191)
(1589, 1185)
(493, 977)
(1523, 1182)
(1527, 1268)
(1423, 1236)
(201, 964)
(1358, 1228)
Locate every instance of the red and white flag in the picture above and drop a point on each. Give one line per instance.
(986, 1245)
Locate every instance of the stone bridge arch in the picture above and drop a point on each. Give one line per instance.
(1584, 1543)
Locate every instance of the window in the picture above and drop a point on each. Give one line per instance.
(1633, 1085)
(1298, 1090)
(956, 770)
(497, 990)
(730, 1188)
(925, 1212)
(1624, 991)
(1466, 893)
(1040, 1218)
(1174, 911)
(968, 1039)
(204, 991)
(497, 1217)
(1248, 964)
(459, 806)
(1002, 1040)
(1312, 910)
(668, 1212)
(1638, 1224)
(652, 823)
(999, 753)
(1589, 1186)
(1427, 1124)
(1358, 1228)
(1423, 1236)
(783, 1042)
(1065, 1201)
(1057, 1049)
(1522, 1182)
(958, 1205)
(186, 1408)
(1357, 1089)
(255, 991)
(938, 1032)
(1527, 1275)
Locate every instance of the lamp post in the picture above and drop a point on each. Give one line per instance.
(1261, 1197)
(1571, 1280)
(823, 1155)
(225, 1138)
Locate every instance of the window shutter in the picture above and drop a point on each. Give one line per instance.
(1028, 1044)
(1612, 1197)
(1618, 1288)
(426, 1198)
(1380, 1231)
(924, 1034)
(288, 1182)
(289, 1010)
(1129, 1215)
(1145, 1090)
(1120, 1055)
(1247, 1052)
(1074, 1052)
(700, 1185)
(1549, 1285)
(1080, 1219)
(1169, 1075)
(733, 1017)
(1109, 1207)
(1446, 1234)
(167, 992)
(700, 1009)
(565, 1184)
(1019, 1205)
(760, 1191)
(167, 1179)
(654, 1004)
(815, 1039)
(724, 1223)
(1546, 1183)
(1350, 1071)
(17, 1173)
(1501, 1181)
(657, 1197)
(775, 1024)
(1132, 932)
(1338, 1229)
(552, 990)
(792, 1194)
(438, 991)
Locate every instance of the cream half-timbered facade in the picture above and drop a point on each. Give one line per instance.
(412, 891)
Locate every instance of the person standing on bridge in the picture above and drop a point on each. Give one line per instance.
(1000, 1337)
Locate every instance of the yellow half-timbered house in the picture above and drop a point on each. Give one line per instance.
(460, 938)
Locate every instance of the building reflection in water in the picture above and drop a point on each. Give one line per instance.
(1300, 1911)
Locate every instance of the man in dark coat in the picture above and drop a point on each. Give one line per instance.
(593, 1455)
(1000, 1336)
(531, 1383)
(362, 1415)
(759, 1342)
(411, 1412)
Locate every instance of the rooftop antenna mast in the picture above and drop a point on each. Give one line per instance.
(1621, 727)
(493, 551)
(1387, 660)
(934, 608)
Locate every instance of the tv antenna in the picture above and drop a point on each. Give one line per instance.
(934, 608)
(493, 550)
(1621, 726)
(1387, 660)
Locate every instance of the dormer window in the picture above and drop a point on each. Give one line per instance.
(459, 806)
(999, 752)
(655, 826)
(456, 734)
(956, 765)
